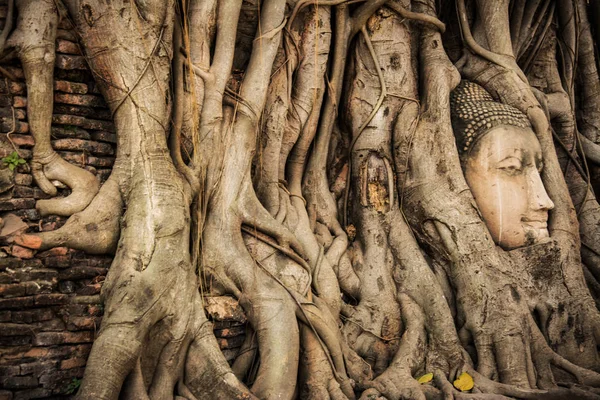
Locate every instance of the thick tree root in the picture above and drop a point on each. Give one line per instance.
(94, 230)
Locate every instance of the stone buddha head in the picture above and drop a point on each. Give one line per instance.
(502, 161)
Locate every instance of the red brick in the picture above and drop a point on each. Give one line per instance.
(88, 100)
(64, 61)
(14, 126)
(58, 261)
(21, 140)
(54, 338)
(17, 87)
(72, 363)
(70, 132)
(83, 145)
(70, 87)
(83, 323)
(16, 204)
(17, 72)
(36, 274)
(105, 162)
(21, 252)
(104, 136)
(50, 299)
(76, 273)
(19, 382)
(19, 102)
(16, 302)
(55, 251)
(67, 47)
(29, 316)
(83, 111)
(30, 241)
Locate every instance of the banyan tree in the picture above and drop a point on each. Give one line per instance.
(400, 194)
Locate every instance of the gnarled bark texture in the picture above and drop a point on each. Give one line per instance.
(299, 156)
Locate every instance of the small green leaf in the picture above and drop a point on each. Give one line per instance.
(11, 167)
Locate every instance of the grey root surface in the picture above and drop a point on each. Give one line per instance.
(299, 156)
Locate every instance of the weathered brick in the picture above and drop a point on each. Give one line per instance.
(230, 332)
(10, 125)
(50, 299)
(76, 273)
(15, 341)
(21, 140)
(68, 131)
(21, 252)
(8, 329)
(31, 214)
(5, 316)
(83, 111)
(37, 367)
(16, 303)
(17, 87)
(36, 274)
(29, 316)
(83, 323)
(102, 136)
(83, 145)
(16, 289)
(54, 338)
(229, 343)
(19, 102)
(105, 162)
(65, 119)
(88, 100)
(55, 251)
(37, 393)
(9, 370)
(6, 101)
(67, 47)
(52, 325)
(72, 363)
(89, 290)
(57, 352)
(19, 382)
(16, 204)
(58, 261)
(22, 191)
(64, 61)
(7, 112)
(23, 179)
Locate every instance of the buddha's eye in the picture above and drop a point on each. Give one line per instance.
(510, 166)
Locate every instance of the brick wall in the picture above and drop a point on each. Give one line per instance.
(49, 305)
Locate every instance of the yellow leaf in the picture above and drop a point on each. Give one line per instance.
(464, 382)
(425, 378)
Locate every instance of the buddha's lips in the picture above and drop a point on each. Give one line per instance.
(535, 223)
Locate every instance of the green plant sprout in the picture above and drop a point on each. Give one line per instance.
(13, 160)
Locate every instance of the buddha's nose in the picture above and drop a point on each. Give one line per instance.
(538, 197)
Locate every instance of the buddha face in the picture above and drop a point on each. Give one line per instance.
(503, 171)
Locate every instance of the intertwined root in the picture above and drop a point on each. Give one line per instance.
(83, 185)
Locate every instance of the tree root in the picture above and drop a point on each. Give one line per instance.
(83, 184)
(94, 230)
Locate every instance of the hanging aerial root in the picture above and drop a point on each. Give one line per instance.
(34, 40)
